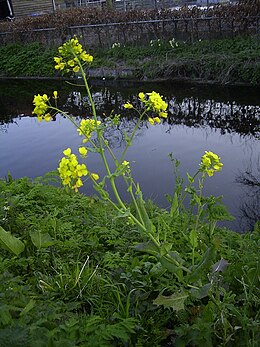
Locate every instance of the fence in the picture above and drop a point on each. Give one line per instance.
(104, 35)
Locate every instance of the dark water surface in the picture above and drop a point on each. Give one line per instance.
(222, 120)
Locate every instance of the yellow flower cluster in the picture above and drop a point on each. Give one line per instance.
(210, 163)
(71, 171)
(42, 104)
(154, 102)
(71, 53)
(87, 126)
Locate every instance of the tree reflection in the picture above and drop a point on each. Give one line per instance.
(229, 117)
(250, 212)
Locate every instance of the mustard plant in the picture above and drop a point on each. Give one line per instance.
(73, 58)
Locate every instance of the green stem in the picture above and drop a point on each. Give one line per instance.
(133, 133)
(109, 150)
(186, 192)
(136, 221)
(200, 206)
(135, 203)
(99, 133)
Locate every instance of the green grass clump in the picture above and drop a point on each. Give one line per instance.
(222, 61)
(80, 281)
(26, 60)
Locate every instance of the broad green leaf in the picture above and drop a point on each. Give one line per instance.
(220, 265)
(175, 301)
(147, 247)
(41, 240)
(150, 228)
(204, 264)
(176, 256)
(10, 242)
(171, 267)
(202, 292)
(165, 248)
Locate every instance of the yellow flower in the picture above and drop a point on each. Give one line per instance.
(81, 170)
(55, 94)
(76, 68)
(60, 64)
(41, 105)
(151, 120)
(47, 117)
(163, 114)
(94, 176)
(210, 163)
(86, 57)
(83, 151)
(79, 183)
(154, 120)
(67, 152)
(154, 102)
(71, 63)
(128, 105)
(142, 96)
(71, 54)
(87, 127)
(57, 60)
(71, 171)
(125, 163)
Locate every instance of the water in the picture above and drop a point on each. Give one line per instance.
(222, 120)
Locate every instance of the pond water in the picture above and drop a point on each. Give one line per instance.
(222, 120)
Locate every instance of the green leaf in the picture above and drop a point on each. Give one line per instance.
(5, 316)
(28, 307)
(190, 178)
(202, 292)
(175, 206)
(123, 214)
(175, 301)
(165, 248)
(220, 265)
(150, 228)
(204, 264)
(147, 247)
(11, 243)
(193, 239)
(171, 267)
(41, 240)
(219, 212)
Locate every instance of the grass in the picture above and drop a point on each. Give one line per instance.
(81, 282)
(222, 61)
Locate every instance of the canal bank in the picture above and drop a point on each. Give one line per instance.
(226, 61)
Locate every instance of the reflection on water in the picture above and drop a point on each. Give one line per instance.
(250, 181)
(199, 119)
(190, 111)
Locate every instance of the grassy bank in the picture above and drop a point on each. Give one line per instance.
(220, 61)
(79, 281)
